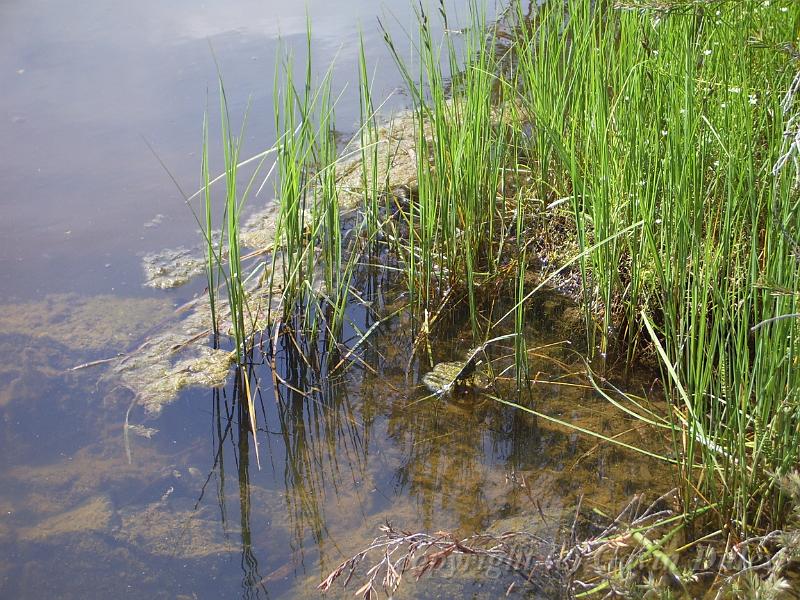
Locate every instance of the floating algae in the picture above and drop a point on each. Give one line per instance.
(173, 359)
(84, 323)
(93, 515)
(172, 267)
(259, 230)
(394, 156)
(179, 356)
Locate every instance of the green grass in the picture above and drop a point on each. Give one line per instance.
(649, 138)
(223, 258)
(462, 149)
(316, 265)
(223, 252)
(673, 119)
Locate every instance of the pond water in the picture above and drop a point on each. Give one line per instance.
(175, 505)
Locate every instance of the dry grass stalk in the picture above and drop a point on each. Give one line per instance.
(541, 564)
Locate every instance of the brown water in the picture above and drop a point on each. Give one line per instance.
(182, 510)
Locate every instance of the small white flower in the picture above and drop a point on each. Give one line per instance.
(716, 163)
(784, 9)
(664, 132)
(655, 52)
(718, 13)
(724, 105)
(735, 90)
(707, 51)
(752, 99)
(626, 98)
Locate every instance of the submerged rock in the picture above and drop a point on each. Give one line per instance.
(447, 375)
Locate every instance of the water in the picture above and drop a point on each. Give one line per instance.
(83, 87)
(90, 509)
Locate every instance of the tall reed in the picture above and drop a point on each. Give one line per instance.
(315, 264)
(669, 118)
(223, 260)
(462, 147)
(655, 131)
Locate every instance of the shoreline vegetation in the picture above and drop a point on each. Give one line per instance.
(643, 158)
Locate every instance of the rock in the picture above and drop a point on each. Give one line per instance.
(446, 375)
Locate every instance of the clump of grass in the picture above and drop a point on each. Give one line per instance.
(671, 119)
(657, 133)
(462, 150)
(315, 263)
(658, 130)
(223, 264)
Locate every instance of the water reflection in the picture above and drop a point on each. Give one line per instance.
(81, 88)
(311, 449)
(346, 441)
(230, 421)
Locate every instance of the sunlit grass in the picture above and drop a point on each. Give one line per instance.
(673, 119)
(653, 134)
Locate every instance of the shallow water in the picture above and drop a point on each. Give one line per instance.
(184, 510)
(176, 506)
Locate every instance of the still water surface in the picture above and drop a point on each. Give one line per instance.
(182, 510)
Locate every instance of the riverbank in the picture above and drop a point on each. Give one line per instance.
(647, 152)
